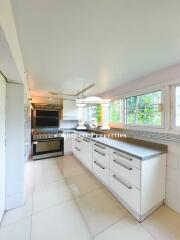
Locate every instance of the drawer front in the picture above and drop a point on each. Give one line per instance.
(77, 141)
(77, 152)
(126, 158)
(87, 152)
(101, 147)
(125, 191)
(101, 171)
(126, 171)
(101, 157)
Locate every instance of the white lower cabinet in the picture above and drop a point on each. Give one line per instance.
(87, 152)
(126, 191)
(67, 145)
(101, 171)
(77, 147)
(126, 171)
(138, 184)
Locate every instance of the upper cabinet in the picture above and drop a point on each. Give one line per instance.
(70, 110)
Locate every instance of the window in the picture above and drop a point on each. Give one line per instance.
(177, 96)
(93, 113)
(145, 109)
(116, 111)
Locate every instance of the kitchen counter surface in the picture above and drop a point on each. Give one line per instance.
(132, 149)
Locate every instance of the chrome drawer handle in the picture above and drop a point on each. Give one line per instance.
(77, 149)
(85, 140)
(123, 156)
(123, 165)
(99, 146)
(103, 154)
(99, 165)
(77, 140)
(122, 182)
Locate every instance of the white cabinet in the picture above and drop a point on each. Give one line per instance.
(2, 144)
(70, 110)
(101, 162)
(138, 184)
(67, 144)
(87, 152)
(15, 138)
(128, 193)
(77, 147)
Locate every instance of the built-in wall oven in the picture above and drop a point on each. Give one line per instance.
(46, 148)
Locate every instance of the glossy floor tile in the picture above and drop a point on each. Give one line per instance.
(50, 195)
(82, 184)
(126, 229)
(20, 230)
(164, 224)
(17, 214)
(65, 201)
(71, 170)
(61, 222)
(100, 211)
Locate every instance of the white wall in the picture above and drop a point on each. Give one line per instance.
(173, 177)
(2, 144)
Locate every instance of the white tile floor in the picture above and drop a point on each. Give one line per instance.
(66, 202)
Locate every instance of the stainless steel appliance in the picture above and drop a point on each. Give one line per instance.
(46, 145)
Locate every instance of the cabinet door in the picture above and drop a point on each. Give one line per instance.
(87, 152)
(2, 144)
(77, 147)
(70, 110)
(67, 145)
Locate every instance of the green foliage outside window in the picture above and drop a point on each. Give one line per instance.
(144, 109)
(115, 111)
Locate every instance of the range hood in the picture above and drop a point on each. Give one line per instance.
(47, 106)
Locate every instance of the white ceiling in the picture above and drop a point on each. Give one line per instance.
(69, 44)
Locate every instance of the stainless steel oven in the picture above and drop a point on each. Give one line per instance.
(46, 148)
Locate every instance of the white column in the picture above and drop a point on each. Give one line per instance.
(81, 116)
(105, 117)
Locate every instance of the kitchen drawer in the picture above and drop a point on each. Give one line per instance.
(127, 192)
(101, 171)
(126, 158)
(101, 147)
(77, 141)
(77, 152)
(101, 156)
(126, 171)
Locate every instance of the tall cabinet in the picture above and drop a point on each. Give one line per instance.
(2, 144)
(15, 138)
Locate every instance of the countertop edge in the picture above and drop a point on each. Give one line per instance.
(128, 153)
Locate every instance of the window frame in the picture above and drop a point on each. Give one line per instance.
(138, 93)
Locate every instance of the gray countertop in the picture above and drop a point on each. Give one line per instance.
(132, 149)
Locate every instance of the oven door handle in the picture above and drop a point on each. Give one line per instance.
(46, 140)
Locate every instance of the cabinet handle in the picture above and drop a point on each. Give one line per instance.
(99, 165)
(77, 140)
(85, 140)
(77, 149)
(122, 164)
(103, 154)
(99, 146)
(123, 156)
(122, 182)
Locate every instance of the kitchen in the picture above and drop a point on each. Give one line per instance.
(89, 126)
